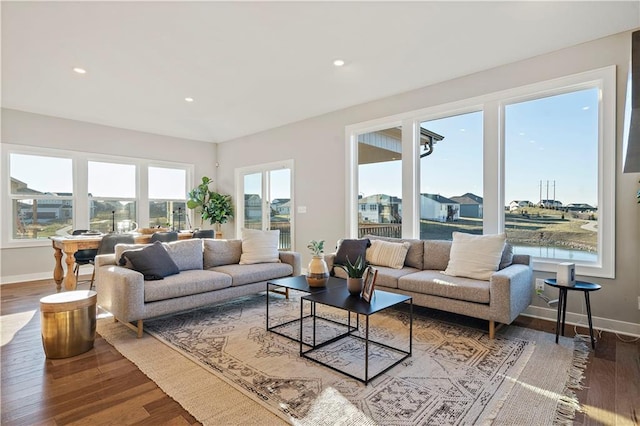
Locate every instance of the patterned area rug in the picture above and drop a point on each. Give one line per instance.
(456, 375)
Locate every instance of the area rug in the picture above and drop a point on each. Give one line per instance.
(456, 375)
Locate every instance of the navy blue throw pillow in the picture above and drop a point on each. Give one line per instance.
(351, 249)
(154, 262)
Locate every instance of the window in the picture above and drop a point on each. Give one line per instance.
(552, 209)
(166, 198)
(506, 162)
(50, 192)
(41, 202)
(451, 176)
(112, 196)
(380, 182)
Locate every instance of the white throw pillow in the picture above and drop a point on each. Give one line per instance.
(259, 246)
(386, 253)
(475, 256)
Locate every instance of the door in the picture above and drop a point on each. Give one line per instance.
(267, 194)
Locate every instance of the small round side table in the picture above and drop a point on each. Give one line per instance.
(583, 286)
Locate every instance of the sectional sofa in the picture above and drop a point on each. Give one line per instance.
(499, 299)
(208, 271)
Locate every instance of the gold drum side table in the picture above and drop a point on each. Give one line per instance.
(68, 323)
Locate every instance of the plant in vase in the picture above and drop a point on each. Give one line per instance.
(317, 271)
(213, 206)
(355, 273)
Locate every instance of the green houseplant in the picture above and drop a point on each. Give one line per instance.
(215, 207)
(355, 272)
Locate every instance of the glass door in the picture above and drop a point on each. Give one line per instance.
(268, 202)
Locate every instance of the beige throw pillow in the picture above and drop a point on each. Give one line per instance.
(475, 256)
(259, 246)
(385, 253)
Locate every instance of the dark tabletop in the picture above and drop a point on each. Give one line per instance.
(339, 297)
(580, 285)
(300, 283)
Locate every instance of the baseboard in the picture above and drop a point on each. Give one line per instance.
(12, 279)
(604, 324)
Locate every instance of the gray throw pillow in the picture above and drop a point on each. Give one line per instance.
(507, 256)
(351, 249)
(152, 261)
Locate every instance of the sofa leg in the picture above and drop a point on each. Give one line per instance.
(139, 329)
(492, 329)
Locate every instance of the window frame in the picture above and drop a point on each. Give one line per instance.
(81, 204)
(492, 106)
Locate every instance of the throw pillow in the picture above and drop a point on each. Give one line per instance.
(351, 249)
(221, 252)
(475, 256)
(120, 248)
(385, 253)
(187, 254)
(259, 246)
(507, 256)
(152, 261)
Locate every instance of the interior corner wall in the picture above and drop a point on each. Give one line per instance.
(317, 147)
(23, 128)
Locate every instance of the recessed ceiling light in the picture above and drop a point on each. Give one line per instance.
(79, 70)
(188, 99)
(338, 62)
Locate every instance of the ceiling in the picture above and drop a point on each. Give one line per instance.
(252, 66)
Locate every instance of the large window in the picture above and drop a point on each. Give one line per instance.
(41, 199)
(536, 162)
(166, 198)
(50, 192)
(551, 176)
(451, 176)
(380, 182)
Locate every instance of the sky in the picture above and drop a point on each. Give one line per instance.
(549, 143)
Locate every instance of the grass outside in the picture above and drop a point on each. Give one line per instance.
(538, 227)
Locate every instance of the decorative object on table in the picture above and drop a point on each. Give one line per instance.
(113, 221)
(317, 270)
(355, 271)
(566, 274)
(213, 206)
(369, 281)
(149, 231)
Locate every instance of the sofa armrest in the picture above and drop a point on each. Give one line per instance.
(510, 291)
(120, 290)
(294, 259)
(521, 259)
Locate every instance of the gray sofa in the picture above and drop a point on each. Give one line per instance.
(209, 272)
(499, 300)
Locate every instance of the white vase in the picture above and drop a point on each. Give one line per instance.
(317, 272)
(354, 285)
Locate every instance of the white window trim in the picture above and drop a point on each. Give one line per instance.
(492, 106)
(80, 186)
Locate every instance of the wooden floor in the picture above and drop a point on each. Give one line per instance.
(102, 387)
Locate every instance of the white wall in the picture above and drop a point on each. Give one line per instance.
(21, 128)
(317, 147)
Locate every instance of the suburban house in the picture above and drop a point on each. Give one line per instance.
(439, 208)
(130, 104)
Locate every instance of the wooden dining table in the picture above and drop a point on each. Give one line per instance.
(69, 245)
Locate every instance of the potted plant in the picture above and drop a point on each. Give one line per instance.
(215, 207)
(355, 271)
(317, 270)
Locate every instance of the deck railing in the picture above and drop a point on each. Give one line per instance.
(380, 229)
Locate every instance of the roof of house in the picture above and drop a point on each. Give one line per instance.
(440, 199)
(467, 198)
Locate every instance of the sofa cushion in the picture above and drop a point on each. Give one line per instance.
(437, 284)
(386, 253)
(185, 283)
(475, 256)
(187, 254)
(221, 252)
(415, 254)
(436, 254)
(388, 277)
(259, 246)
(152, 261)
(350, 249)
(247, 274)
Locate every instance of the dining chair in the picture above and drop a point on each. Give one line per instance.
(164, 237)
(107, 246)
(204, 233)
(83, 257)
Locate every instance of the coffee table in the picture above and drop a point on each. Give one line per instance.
(300, 283)
(340, 298)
